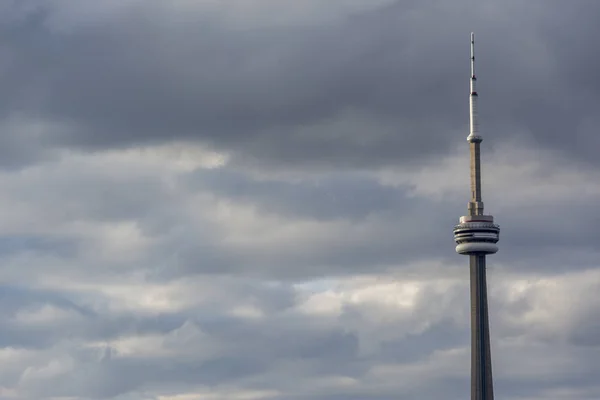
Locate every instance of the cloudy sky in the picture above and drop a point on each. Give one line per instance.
(254, 199)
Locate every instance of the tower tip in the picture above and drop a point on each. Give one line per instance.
(473, 131)
(472, 55)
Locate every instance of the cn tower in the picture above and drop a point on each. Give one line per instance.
(476, 236)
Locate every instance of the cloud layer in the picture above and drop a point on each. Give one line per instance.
(254, 199)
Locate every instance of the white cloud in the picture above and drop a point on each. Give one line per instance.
(515, 174)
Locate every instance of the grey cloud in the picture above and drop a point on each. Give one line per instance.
(90, 318)
(282, 94)
(380, 226)
(383, 86)
(371, 227)
(285, 350)
(254, 347)
(340, 196)
(81, 322)
(388, 228)
(12, 245)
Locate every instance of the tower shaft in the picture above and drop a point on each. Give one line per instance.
(481, 357)
(475, 205)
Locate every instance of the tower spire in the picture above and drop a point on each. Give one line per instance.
(476, 203)
(473, 126)
(472, 54)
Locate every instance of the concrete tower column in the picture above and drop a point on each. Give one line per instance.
(476, 235)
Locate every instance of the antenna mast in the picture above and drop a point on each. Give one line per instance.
(476, 204)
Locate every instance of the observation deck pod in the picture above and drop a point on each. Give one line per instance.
(476, 234)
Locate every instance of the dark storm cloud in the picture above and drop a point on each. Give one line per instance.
(304, 93)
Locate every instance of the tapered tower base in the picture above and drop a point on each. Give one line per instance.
(481, 359)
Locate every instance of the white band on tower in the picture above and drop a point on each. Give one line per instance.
(473, 124)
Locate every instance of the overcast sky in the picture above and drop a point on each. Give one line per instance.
(254, 199)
